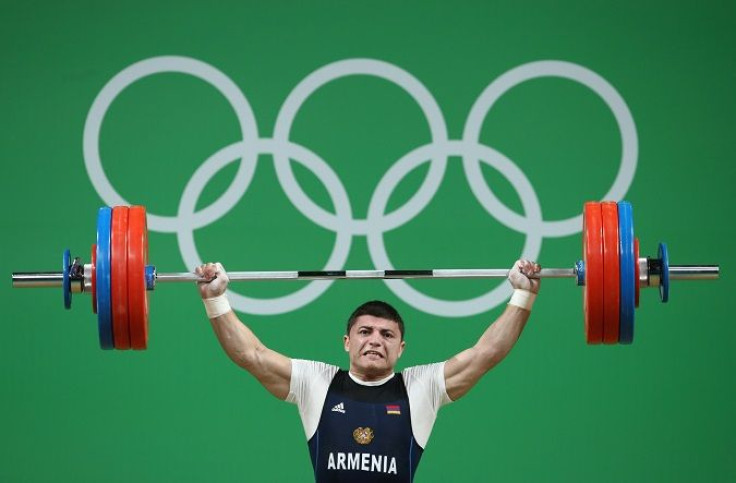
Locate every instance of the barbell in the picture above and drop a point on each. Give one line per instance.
(118, 276)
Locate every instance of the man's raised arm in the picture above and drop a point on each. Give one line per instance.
(273, 370)
(464, 370)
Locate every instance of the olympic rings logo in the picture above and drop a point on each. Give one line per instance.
(377, 221)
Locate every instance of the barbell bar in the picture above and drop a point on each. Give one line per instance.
(119, 276)
(79, 280)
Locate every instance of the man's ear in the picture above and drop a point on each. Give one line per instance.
(346, 342)
(402, 346)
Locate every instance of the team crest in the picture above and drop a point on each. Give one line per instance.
(363, 435)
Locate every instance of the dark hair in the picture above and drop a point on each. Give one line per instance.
(376, 308)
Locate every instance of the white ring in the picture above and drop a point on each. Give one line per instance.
(337, 70)
(533, 70)
(340, 251)
(377, 247)
(184, 65)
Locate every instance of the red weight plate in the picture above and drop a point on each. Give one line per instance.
(611, 273)
(137, 260)
(93, 277)
(593, 260)
(636, 272)
(119, 277)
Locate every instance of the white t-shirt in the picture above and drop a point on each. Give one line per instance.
(425, 386)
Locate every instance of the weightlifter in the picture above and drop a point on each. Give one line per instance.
(368, 423)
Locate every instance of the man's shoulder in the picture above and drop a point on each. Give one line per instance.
(313, 363)
(423, 371)
(424, 368)
(309, 368)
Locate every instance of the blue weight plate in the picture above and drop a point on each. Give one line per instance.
(664, 281)
(627, 273)
(104, 302)
(66, 283)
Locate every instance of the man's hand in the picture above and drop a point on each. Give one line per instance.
(520, 273)
(217, 280)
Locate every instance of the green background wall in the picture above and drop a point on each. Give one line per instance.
(555, 410)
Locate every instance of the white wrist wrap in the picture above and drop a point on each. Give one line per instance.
(217, 306)
(523, 299)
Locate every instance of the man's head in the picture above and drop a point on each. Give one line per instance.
(374, 339)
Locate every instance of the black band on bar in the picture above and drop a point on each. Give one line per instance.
(408, 273)
(321, 274)
(349, 274)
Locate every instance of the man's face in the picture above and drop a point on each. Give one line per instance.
(374, 345)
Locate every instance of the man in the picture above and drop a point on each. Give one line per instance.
(368, 423)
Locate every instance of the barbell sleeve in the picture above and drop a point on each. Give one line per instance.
(694, 272)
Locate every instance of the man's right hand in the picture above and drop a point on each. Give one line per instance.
(216, 277)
